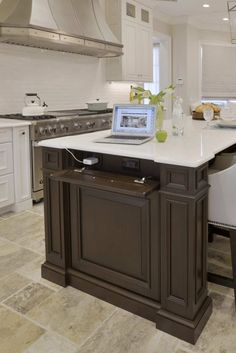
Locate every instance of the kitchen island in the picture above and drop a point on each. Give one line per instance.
(132, 229)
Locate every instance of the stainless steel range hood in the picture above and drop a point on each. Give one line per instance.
(75, 26)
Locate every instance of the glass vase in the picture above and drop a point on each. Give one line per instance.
(161, 134)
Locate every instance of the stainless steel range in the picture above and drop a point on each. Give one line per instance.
(56, 124)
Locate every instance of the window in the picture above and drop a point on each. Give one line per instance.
(154, 86)
(222, 102)
(218, 72)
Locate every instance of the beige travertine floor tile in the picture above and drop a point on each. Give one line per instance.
(52, 343)
(28, 298)
(12, 283)
(72, 314)
(219, 257)
(220, 243)
(16, 332)
(217, 268)
(32, 270)
(212, 287)
(128, 333)
(26, 229)
(38, 208)
(11, 214)
(12, 257)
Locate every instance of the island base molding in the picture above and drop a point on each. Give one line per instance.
(187, 330)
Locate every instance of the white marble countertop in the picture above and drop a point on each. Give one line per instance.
(4, 123)
(197, 146)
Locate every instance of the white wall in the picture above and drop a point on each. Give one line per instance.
(63, 80)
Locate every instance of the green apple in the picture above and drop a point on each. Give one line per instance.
(161, 135)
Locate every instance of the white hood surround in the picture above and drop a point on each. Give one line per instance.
(75, 26)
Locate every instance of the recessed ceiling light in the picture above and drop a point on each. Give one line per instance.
(225, 19)
(205, 5)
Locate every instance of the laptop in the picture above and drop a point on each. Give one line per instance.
(132, 124)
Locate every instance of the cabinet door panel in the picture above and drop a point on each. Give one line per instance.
(111, 239)
(22, 163)
(6, 158)
(6, 190)
(144, 54)
(5, 135)
(130, 50)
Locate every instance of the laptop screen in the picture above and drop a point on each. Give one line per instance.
(138, 120)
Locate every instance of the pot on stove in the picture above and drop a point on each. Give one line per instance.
(97, 105)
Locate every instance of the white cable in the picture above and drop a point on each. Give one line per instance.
(77, 160)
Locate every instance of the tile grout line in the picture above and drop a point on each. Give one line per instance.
(36, 281)
(47, 330)
(98, 328)
(35, 213)
(32, 282)
(16, 292)
(20, 246)
(13, 216)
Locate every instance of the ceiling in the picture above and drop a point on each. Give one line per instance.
(192, 11)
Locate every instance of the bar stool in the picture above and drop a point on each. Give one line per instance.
(222, 212)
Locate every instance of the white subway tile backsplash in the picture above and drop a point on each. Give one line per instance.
(62, 80)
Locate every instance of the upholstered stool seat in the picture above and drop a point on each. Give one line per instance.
(222, 210)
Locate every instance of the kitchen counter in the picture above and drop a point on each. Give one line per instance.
(4, 123)
(197, 146)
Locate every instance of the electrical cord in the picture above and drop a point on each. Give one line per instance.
(72, 154)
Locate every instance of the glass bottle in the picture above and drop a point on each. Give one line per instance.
(178, 118)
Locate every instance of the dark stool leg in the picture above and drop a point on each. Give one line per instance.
(210, 233)
(233, 256)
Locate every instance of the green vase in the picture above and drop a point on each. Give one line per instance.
(161, 135)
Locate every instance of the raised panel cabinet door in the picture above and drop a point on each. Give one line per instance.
(6, 158)
(111, 239)
(5, 135)
(54, 221)
(22, 174)
(144, 54)
(129, 57)
(6, 190)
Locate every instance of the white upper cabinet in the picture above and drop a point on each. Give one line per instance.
(132, 24)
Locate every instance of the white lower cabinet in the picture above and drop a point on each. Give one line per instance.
(6, 190)
(15, 177)
(22, 175)
(6, 158)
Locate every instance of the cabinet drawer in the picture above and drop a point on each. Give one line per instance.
(6, 158)
(5, 135)
(6, 190)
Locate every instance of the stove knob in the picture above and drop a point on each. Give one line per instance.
(77, 125)
(42, 131)
(105, 122)
(90, 124)
(50, 130)
(64, 128)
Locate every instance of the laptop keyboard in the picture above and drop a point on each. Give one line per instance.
(122, 137)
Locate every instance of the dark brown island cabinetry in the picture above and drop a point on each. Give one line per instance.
(140, 246)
